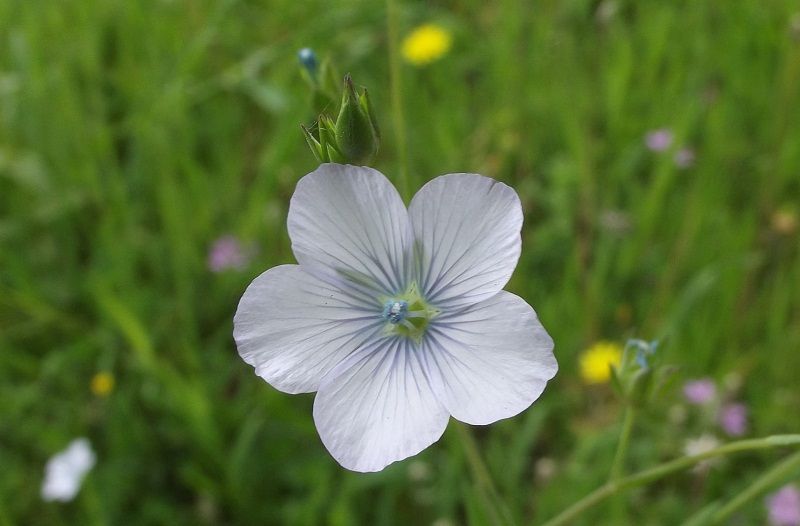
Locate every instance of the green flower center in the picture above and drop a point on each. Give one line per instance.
(408, 314)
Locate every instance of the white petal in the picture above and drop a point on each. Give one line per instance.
(467, 231)
(350, 222)
(65, 471)
(493, 358)
(294, 328)
(378, 407)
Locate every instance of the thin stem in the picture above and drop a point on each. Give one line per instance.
(771, 478)
(396, 89)
(662, 470)
(622, 446)
(482, 477)
(618, 464)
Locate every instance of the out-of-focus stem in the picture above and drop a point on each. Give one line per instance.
(622, 446)
(618, 464)
(774, 476)
(396, 92)
(662, 470)
(482, 477)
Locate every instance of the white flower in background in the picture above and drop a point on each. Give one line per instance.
(65, 471)
(698, 446)
(396, 317)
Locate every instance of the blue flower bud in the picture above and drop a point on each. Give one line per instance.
(308, 59)
(638, 377)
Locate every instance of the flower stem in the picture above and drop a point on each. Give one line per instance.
(396, 90)
(482, 477)
(662, 470)
(771, 478)
(618, 464)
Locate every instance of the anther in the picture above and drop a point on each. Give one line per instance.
(395, 311)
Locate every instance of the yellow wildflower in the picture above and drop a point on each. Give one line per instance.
(427, 43)
(102, 384)
(595, 363)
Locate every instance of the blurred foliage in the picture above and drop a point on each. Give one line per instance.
(135, 133)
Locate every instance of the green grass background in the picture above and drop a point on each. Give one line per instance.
(134, 133)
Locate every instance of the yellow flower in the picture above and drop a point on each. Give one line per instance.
(596, 361)
(426, 44)
(102, 384)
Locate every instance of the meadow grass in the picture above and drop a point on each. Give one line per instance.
(133, 134)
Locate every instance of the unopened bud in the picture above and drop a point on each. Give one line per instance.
(308, 59)
(357, 134)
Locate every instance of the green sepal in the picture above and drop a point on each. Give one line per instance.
(366, 105)
(640, 384)
(313, 144)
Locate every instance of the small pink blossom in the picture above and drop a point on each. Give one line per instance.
(784, 507)
(659, 140)
(733, 419)
(699, 392)
(227, 253)
(684, 158)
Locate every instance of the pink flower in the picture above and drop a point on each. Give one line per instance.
(659, 140)
(784, 507)
(684, 158)
(227, 253)
(699, 392)
(733, 419)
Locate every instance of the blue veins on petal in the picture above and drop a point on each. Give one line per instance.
(395, 315)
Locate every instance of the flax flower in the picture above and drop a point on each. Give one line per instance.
(395, 316)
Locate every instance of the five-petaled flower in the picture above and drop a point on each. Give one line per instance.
(395, 316)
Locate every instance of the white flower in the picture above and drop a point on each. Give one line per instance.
(65, 471)
(396, 317)
(697, 446)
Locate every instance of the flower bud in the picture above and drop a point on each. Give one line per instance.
(353, 138)
(321, 79)
(357, 134)
(308, 59)
(638, 378)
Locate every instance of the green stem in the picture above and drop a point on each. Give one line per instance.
(771, 478)
(482, 477)
(622, 447)
(618, 464)
(396, 89)
(649, 475)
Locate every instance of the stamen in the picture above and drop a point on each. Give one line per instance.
(395, 311)
(407, 314)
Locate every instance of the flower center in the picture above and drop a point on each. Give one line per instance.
(395, 311)
(408, 314)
